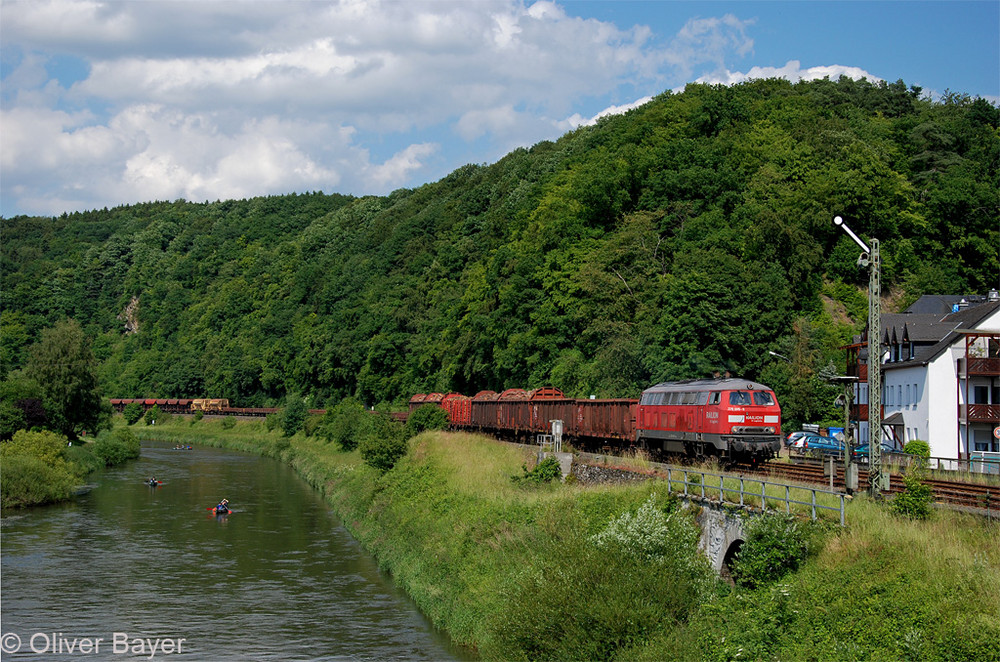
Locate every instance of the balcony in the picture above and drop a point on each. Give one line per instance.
(980, 414)
(860, 412)
(984, 366)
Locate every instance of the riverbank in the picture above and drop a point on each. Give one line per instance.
(549, 572)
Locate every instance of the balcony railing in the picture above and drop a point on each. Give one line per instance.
(984, 366)
(981, 413)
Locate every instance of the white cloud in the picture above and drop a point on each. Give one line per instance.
(394, 171)
(792, 71)
(576, 120)
(207, 100)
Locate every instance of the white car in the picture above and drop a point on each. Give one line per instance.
(795, 439)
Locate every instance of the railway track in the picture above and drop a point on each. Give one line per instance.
(956, 493)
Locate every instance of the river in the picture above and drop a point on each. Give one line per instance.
(127, 571)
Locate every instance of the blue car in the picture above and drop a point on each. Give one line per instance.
(814, 443)
(861, 452)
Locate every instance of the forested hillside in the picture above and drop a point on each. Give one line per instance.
(688, 236)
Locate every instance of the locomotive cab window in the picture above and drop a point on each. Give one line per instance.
(716, 398)
(741, 398)
(762, 398)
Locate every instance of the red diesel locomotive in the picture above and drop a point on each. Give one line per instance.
(733, 419)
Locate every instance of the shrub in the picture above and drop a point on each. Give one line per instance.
(29, 480)
(426, 417)
(382, 442)
(49, 447)
(34, 470)
(651, 534)
(117, 446)
(152, 414)
(272, 421)
(229, 422)
(918, 447)
(585, 598)
(544, 472)
(917, 496)
(775, 545)
(312, 425)
(293, 416)
(132, 413)
(343, 423)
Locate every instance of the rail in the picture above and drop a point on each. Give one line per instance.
(980, 462)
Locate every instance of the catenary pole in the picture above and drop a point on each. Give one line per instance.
(870, 258)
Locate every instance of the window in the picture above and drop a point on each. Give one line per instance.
(980, 395)
(702, 397)
(716, 398)
(907, 401)
(982, 440)
(741, 398)
(762, 398)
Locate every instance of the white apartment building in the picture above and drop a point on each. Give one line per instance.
(941, 376)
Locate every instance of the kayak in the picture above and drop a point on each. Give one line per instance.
(153, 483)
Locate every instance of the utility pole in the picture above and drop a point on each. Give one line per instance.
(877, 480)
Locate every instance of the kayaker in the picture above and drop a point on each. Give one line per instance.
(223, 507)
(152, 481)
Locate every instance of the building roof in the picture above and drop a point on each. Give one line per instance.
(944, 304)
(967, 318)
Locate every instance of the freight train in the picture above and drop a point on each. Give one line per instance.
(214, 406)
(731, 419)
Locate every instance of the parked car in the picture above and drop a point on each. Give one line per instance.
(793, 438)
(814, 443)
(861, 452)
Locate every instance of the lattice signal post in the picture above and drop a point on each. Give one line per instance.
(877, 479)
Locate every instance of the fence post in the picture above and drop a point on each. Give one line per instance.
(813, 505)
(763, 497)
(788, 500)
(741, 490)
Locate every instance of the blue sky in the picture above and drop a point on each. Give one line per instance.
(109, 103)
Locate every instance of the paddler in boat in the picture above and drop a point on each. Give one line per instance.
(222, 508)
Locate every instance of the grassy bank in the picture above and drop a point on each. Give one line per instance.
(552, 572)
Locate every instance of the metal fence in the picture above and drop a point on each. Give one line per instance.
(705, 487)
(738, 490)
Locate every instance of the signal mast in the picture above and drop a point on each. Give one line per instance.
(878, 480)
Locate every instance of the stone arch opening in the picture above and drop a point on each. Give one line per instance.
(726, 570)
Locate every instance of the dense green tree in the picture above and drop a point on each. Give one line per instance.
(132, 413)
(294, 414)
(64, 368)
